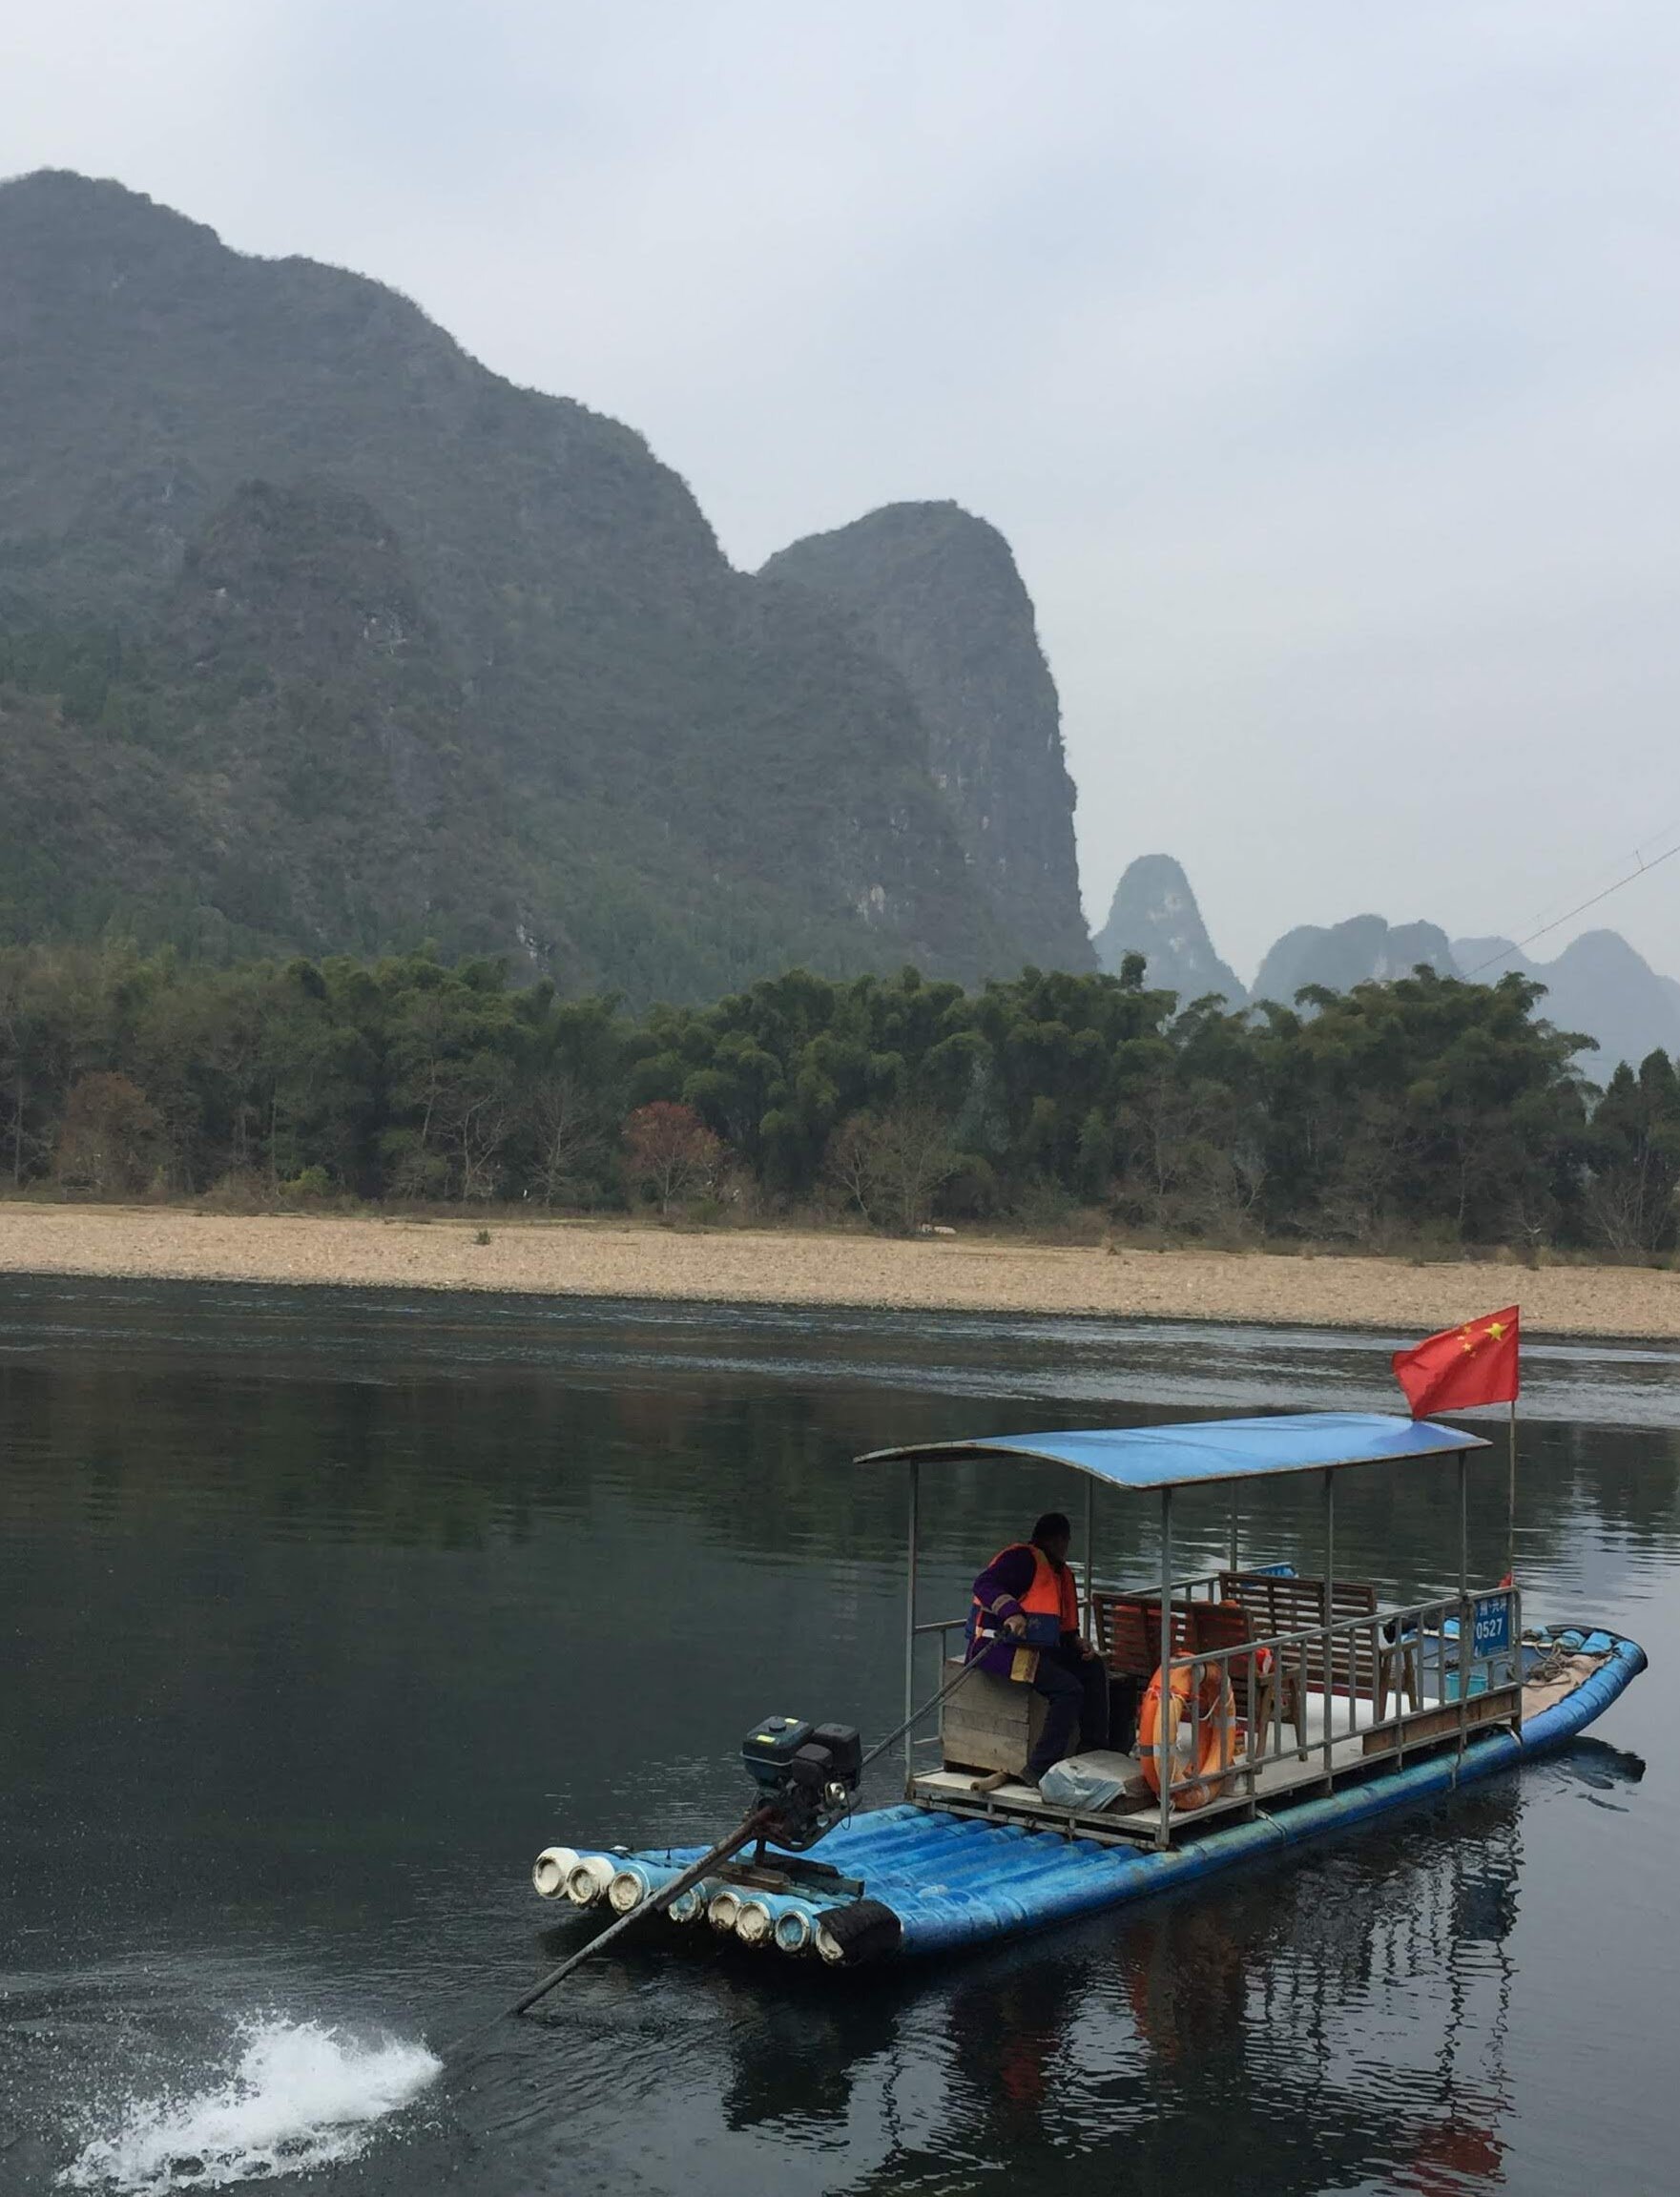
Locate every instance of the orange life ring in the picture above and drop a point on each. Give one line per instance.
(1212, 1727)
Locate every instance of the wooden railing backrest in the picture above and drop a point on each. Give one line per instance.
(1128, 1632)
(1280, 1606)
(1226, 1624)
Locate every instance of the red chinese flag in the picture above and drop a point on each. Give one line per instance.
(1476, 1363)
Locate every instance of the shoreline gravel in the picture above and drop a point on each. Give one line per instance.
(743, 1266)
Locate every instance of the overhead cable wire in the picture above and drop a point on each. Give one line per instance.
(1639, 871)
(1608, 874)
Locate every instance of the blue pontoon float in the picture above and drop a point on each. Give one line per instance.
(1283, 1706)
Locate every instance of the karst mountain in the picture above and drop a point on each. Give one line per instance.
(318, 635)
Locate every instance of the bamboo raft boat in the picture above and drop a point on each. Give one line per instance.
(1295, 1707)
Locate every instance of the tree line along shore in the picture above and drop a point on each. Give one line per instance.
(1426, 1115)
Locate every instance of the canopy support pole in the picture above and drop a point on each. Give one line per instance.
(1235, 1513)
(1166, 1757)
(910, 1620)
(1329, 1627)
(1090, 1534)
(1465, 1621)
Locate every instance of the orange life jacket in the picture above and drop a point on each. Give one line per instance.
(1052, 1603)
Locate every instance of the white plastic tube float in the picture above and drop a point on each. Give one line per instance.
(759, 1917)
(722, 1908)
(775, 1919)
(795, 1928)
(690, 1906)
(768, 1918)
(637, 1881)
(550, 1868)
(588, 1878)
(754, 1922)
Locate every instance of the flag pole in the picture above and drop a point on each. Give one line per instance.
(1511, 1503)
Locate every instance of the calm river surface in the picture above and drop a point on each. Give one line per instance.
(320, 1612)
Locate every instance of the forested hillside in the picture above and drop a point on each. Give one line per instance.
(316, 634)
(1423, 1110)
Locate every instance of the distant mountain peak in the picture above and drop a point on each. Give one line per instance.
(1359, 950)
(1598, 984)
(1154, 913)
(936, 591)
(55, 191)
(1490, 956)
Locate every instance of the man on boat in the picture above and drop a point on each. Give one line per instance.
(1023, 1625)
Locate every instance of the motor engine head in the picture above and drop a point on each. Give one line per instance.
(806, 1775)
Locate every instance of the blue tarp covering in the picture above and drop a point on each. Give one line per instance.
(1209, 1449)
(1579, 1639)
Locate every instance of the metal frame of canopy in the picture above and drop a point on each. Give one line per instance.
(1204, 1453)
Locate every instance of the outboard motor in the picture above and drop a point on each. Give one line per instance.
(806, 1775)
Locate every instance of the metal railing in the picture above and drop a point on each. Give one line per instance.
(1204, 1586)
(1302, 1692)
(1408, 1667)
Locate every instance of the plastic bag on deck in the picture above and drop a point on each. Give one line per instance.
(1087, 1782)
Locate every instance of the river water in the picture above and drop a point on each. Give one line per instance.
(320, 1612)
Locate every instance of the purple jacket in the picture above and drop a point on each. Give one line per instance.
(998, 1591)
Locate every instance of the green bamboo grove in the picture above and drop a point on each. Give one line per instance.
(1426, 1109)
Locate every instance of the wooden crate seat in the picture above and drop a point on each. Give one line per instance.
(990, 1723)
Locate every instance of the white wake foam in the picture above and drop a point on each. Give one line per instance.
(297, 2096)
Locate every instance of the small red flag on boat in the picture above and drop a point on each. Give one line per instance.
(1462, 1366)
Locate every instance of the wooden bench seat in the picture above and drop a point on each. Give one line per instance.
(1362, 1661)
(1128, 1632)
(1258, 1678)
(1128, 1639)
(1269, 1690)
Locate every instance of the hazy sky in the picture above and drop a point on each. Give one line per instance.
(1321, 361)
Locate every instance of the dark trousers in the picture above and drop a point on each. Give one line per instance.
(1076, 1687)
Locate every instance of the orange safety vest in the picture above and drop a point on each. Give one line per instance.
(1052, 1594)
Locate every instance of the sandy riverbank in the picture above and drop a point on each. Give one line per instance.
(774, 1266)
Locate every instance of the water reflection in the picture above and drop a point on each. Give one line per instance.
(1120, 2042)
(1334, 2023)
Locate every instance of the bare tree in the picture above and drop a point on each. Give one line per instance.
(109, 1137)
(1622, 1212)
(892, 1165)
(14, 1052)
(1368, 1181)
(849, 1162)
(566, 1129)
(1183, 1161)
(469, 1113)
(473, 1117)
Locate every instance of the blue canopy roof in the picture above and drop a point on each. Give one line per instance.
(1209, 1449)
